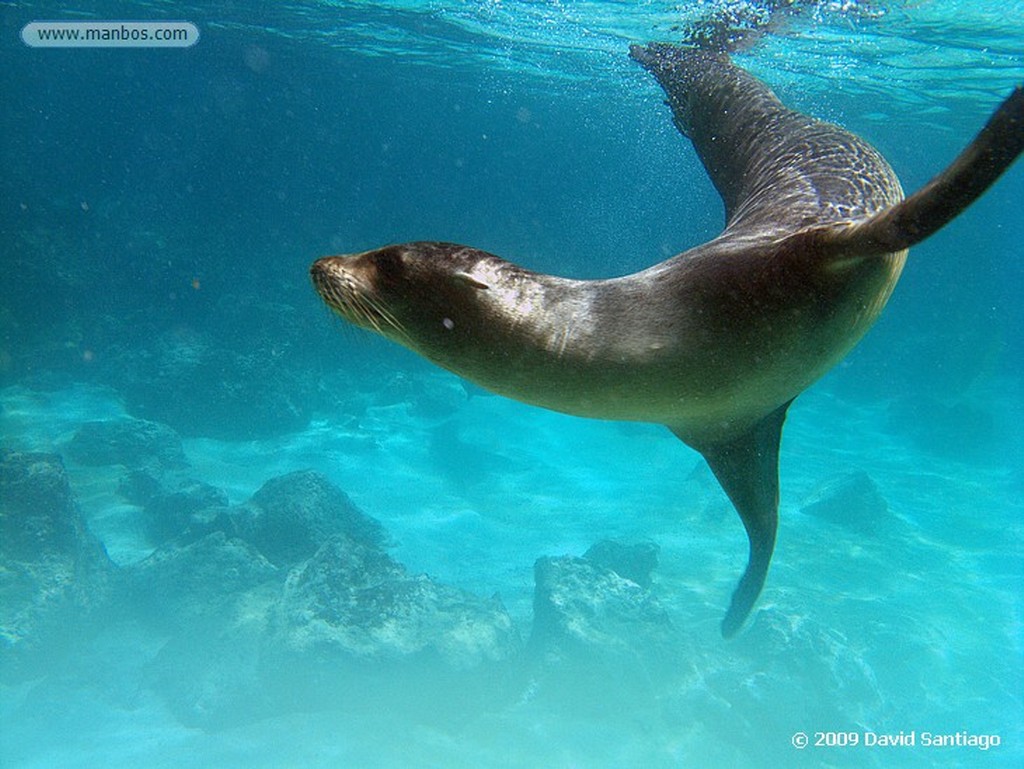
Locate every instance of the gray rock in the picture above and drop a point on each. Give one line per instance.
(351, 631)
(634, 562)
(180, 586)
(191, 508)
(852, 500)
(291, 516)
(176, 506)
(348, 629)
(352, 602)
(134, 443)
(581, 607)
(56, 582)
(139, 486)
(600, 642)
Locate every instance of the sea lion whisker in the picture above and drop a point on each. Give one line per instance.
(364, 314)
(367, 311)
(382, 315)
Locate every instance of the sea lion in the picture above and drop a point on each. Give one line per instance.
(716, 342)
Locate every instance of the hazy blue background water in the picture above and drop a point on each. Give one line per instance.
(173, 199)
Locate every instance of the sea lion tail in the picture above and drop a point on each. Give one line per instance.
(732, 27)
(747, 467)
(941, 200)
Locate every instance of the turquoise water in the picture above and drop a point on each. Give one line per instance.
(159, 211)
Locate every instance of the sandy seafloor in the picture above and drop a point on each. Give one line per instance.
(916, 627)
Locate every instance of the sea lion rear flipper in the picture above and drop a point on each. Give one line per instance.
(941, 200)
(776, 169)
(747, 467)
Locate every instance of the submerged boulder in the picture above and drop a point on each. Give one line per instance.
(56, 581)
(297, 607)
(349, 630)
(291, 516)
(175, 505)
(852, 500)
(582, 607)
(133, 443)
(600, 641)
(180, 586)
(352, 602)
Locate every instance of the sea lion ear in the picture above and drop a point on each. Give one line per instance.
(469, 280)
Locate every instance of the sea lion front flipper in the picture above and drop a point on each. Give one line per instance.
(941, 200)
(747, 467)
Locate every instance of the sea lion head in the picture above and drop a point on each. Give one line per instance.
(434, 298)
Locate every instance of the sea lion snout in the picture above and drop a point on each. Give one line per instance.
(338, 282)
(319, 271)
(331, 279)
